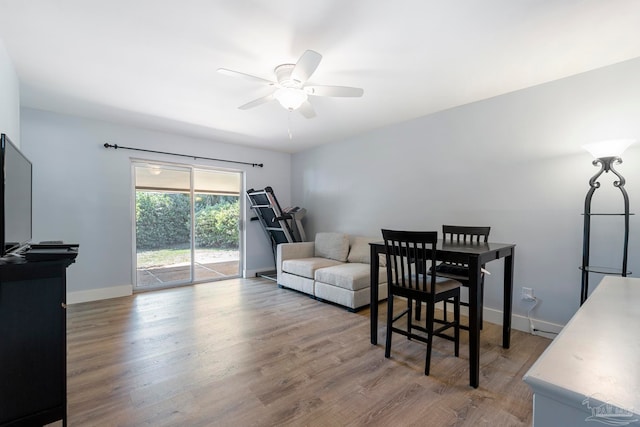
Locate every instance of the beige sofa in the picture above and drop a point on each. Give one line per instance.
(335, 267)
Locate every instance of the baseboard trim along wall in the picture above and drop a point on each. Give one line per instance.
(522, 323)
(98, 294)
(249, 274)
(518, 322)
(121, 291)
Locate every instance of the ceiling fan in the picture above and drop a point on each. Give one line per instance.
(291, 88)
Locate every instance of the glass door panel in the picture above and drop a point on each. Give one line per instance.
(217, 231)
(163, 225)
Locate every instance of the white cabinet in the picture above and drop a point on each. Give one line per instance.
(590, 374)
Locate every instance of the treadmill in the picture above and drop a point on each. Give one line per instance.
(280, 225)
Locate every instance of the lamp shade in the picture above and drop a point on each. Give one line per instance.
(290, 98)
(608, 148)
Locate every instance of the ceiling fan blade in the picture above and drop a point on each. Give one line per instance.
(340, 91)
(306, 109)
(256, 102)
(245, 76)
(305, 66)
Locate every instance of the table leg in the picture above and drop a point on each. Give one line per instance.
(475, 308)
(373, 293)
(508, 298)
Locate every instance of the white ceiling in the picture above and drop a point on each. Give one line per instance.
(152, 63)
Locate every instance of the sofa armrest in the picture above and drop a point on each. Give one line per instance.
(296, 250)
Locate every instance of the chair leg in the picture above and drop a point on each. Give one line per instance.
(456, 330)
(418, 310)
(444, 311)
(429, 327)
(387, 346)
(409, 311)
(481, 302)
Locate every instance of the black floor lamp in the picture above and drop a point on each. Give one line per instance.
(607, 154)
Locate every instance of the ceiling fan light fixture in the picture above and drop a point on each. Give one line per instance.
(290, 98)
(291, 87)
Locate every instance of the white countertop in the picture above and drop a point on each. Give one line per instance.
(595, 360)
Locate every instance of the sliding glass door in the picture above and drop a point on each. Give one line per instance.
(217, 218)
(186, 224)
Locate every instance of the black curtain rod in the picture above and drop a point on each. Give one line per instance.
(116, 146)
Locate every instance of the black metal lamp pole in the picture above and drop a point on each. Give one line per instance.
(606, 165)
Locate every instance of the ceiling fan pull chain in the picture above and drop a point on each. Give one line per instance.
(289, 124)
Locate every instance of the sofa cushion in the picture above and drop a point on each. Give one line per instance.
(306, 267)
(332, 245)
(360, 251)
(352, 276)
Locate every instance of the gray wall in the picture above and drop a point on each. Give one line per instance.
(9, 97)
(82, 192)
(513, 162)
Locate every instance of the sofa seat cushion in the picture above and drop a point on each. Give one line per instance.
(351, 276)
(306, 267)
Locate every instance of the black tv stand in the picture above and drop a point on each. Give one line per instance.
(12, 258)
(33, 352)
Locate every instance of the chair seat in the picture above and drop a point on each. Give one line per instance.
(442, 284)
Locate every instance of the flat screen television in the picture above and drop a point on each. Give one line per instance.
(15, 198)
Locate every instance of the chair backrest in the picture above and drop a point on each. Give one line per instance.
(465, 234)
(409, 253)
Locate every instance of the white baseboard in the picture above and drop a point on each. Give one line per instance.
(98, 294)
(120, 291)
(249, 274)
(518, 322)
(521, 323)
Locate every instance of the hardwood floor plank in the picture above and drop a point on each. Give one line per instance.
(244, 352)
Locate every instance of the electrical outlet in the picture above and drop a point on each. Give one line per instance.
(527, 294)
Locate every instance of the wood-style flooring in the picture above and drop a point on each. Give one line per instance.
(244, 352)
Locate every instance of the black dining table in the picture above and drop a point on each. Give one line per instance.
(475, 255)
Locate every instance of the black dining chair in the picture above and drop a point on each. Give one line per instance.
(409, 254)
(460, 271)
